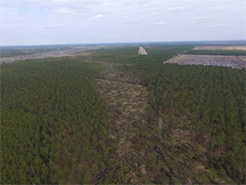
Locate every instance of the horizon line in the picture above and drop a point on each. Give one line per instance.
(137, 42)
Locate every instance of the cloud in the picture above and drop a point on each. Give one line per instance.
(53, 27)
(187, 19)
(173, 9)
(160, 23)
(132, 22)
(98, 16)
(202, 20)
(67, 11)
(154, 14)
(218, 26)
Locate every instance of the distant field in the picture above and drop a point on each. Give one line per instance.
(214, 60)
(216, 52)
(12, 55)
(220, 48)
(142, 51)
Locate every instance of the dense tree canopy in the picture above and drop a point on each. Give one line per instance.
(55, 125)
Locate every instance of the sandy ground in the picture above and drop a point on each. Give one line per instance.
(220, 48)
(142, 51)
(66, 52)
(214, 60)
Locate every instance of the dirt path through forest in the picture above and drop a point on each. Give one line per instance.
(127, 104)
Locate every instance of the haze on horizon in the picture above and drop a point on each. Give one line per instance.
(34, 22)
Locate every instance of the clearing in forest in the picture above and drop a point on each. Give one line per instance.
(219, 48)
(141, 51)
(74, 51)
(214, 60)
(127, 104)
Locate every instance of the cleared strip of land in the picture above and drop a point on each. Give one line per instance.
(127, 104)
(220, 48)
(214, 60)
(142, 51)
(66, 52)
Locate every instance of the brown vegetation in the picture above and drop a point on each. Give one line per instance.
(215, 60)
(60, 53)
(220, 48)
(127, 103)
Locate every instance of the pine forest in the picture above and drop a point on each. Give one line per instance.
(116, 117)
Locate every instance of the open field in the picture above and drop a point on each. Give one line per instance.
(74, 51)
(214, 60)
(220, 48)
(142, 51)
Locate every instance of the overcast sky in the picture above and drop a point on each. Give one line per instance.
(31, 22)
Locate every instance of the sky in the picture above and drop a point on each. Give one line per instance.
(38, 22)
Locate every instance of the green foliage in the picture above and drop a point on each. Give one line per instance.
(50, 112)
(18, 154)
(55, 125)
(212, 100)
